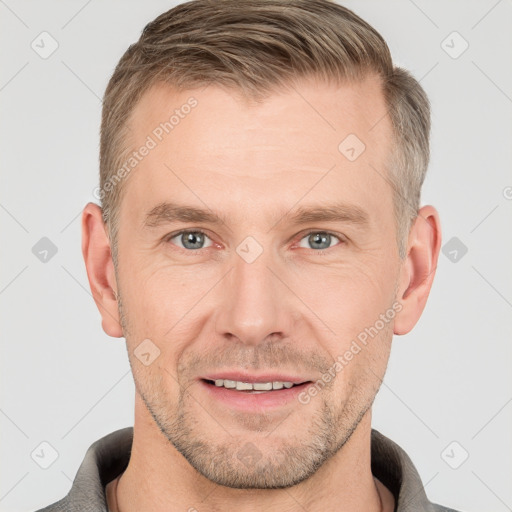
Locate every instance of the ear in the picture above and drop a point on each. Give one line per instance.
(418, 268)
(100, 268)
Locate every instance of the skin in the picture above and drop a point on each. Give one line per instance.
(294, 309)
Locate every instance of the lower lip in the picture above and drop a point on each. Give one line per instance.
(255, 402)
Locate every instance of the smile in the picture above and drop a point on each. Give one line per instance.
(253, 397)
(255, 387)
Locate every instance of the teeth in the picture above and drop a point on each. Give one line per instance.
(262, 386)
(248, 386)
(243, 386)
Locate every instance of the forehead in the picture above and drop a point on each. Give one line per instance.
(312, 138)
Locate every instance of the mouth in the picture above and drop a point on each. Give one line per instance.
(252, 387)
(254, 394)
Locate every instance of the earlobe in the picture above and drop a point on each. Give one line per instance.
(418, 269)
(100, 269)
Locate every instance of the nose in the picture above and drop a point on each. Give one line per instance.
(255, 305)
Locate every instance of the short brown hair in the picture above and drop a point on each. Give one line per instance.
(254, 47)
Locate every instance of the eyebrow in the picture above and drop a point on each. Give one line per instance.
(168, 212)
(337, 212)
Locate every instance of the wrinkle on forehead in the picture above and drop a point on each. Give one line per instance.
(281, 149)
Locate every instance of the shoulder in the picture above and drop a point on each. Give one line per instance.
(105, 459)
(441, 508)
(59, 506)
(393, 467)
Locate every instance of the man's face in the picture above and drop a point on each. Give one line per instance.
(263, 295)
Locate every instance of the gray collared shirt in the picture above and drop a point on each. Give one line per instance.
(108, 457)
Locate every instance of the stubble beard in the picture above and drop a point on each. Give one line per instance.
(272, 460)
(267, 464)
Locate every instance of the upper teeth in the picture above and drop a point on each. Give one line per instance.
(256, 386)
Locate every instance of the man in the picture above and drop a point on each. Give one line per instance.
(260, 240)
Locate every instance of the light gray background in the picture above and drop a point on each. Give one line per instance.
(64, 381)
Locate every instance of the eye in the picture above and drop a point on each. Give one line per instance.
(319, 240)
(192, 240)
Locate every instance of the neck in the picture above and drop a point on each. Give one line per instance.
(159, 478)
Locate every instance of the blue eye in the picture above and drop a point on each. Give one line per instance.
(319, 240)
(192, 240)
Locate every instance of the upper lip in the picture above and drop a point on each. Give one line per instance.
(253, 377)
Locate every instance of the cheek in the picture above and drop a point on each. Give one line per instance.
(165, 307)
(359, 367)
(351, 302)
(347, 298)
(158, 296)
